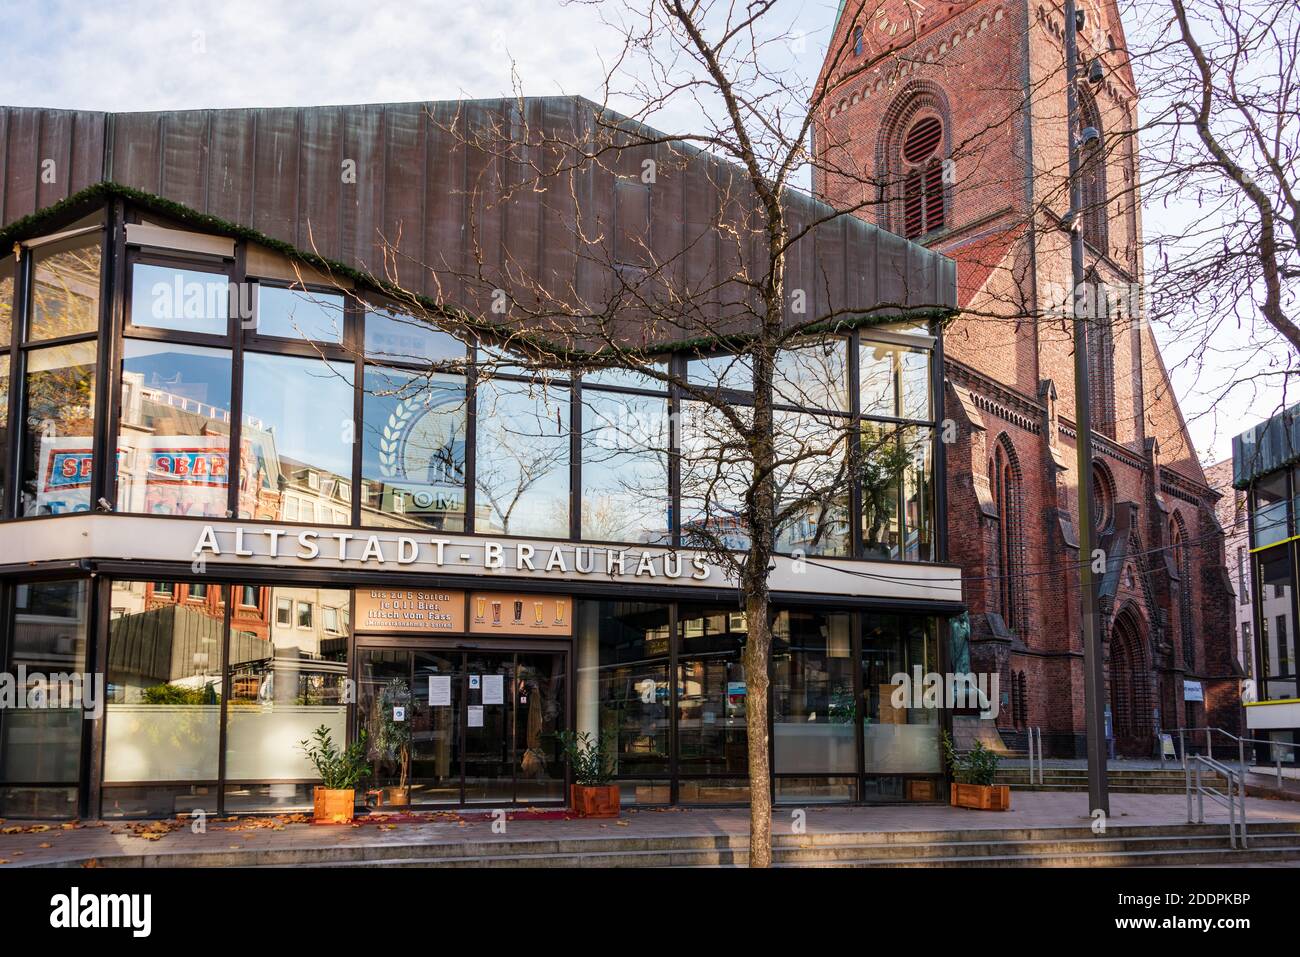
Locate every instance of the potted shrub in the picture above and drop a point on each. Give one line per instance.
(334, 800)
(973, 774)
(591, 794)
(392, 741)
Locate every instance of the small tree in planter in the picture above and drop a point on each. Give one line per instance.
(335, 799)
(393, 737)
(592, 795)
(973, 774)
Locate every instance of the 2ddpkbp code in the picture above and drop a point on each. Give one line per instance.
(1197, 899)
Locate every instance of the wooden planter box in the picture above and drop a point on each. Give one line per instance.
(333, 806)
(982, 797)
(599, 801)
(918, 790)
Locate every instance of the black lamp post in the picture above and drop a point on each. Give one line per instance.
(1094, 680)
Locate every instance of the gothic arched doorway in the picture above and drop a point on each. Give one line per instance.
(1129, 681)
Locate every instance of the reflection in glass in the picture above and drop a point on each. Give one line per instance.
(58, 429)
(711, 692)
(1277, 623)
(297, 440)
(723, 371)
(395, 337)
(184, 300)
(43, 745)
(65, 289)
(413, 450)
(1270, 518)
(522, 459)
(625, 441)
(286, 680)
(814, 375)
(623, 691)
(813, 711)
(173, 445)
(814, 482)
(897, 489)
(162, 721)
(713, 462)
(897, 739)
(894, 380)
(6, 301)
(299, 314)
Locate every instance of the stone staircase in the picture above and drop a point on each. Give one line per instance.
(1120, 846)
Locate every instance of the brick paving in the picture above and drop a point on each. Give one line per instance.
(1030, 810)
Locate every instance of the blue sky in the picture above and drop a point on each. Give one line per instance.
(153, 55)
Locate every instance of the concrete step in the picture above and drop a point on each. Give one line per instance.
(1123, 845)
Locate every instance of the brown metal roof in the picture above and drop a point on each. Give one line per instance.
(421, 190)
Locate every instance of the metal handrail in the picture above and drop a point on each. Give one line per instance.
(1236, 793)
(1241, 747)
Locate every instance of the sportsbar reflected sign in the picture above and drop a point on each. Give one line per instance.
(358, 549)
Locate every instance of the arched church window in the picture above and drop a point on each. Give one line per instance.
(922, 166)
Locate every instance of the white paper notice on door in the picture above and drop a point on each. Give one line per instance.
(476, 716)
(439, 691)
(493, 689)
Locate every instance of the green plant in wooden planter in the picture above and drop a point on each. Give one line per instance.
(979, 765)
(339, 768)
(587, 755)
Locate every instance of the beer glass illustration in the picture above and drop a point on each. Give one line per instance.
(482, 607)
(496, 612)
(559, 611)
(537, 611)
(519, 612)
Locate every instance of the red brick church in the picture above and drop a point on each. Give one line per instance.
(946, 123)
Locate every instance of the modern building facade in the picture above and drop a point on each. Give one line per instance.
(248, 486)
(1233, 510)
(1264, 471)
(946, 123)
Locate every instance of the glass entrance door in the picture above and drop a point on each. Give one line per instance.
(481, 726)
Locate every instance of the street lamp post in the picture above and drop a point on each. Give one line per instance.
(1094, 681)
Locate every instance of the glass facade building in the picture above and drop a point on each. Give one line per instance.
(252, 501)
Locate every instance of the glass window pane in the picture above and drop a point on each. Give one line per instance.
(1277, 631)
(4, 422)
(43, 745)
(299, 314)
(522, 464)
(894, 380)
(711, 692)
(163, 714)
(65, 289)
(625, 441)
(814, 375)
(297, 433)
(401, 338)
(186, 300)
(413, 450)
(58, 427)
(713, 462)
(1270, 517)
(6, 301)
(626, 378)
(815, 481)
(286, 680)
(906, 739)
(722, 372)
(173, 444)
(897, 491)
(813, 711)
(623, 691)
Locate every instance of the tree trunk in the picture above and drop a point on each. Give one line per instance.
(757, 651)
